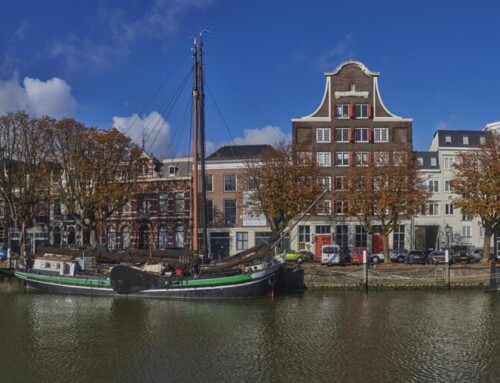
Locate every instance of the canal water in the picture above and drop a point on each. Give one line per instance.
(314, 336)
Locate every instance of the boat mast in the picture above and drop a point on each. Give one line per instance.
(195, 148)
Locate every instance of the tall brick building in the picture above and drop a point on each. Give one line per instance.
(350, 124)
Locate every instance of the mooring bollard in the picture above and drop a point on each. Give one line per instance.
(365, 271)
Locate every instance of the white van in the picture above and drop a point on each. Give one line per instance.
(330, 255)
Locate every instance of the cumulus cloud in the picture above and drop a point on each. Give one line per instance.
(266, 135)
(152, 130)
(52, 97)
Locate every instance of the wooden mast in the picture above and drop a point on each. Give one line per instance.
(195, 148)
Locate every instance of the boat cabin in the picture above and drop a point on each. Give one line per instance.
(51, 264)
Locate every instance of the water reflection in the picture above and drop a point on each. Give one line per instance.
(318, 336)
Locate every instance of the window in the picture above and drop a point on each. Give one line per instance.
(162, 238)
(342, 159)
(361, 236)
(304, 234)
(465, 217)
(339, 183)
(172, 170)
(361, 159)
(481, 232)
(447, 139)
(433, 186)
(241, 240)
(163, 202)
(482, 140)
(448, 209)
(381, 135)
(323, 135)
(179, 202)
(420, 161)
(229, 211)
(466, 232)
(448, 162)
(229, 182)
(325, 207)
(447, 186)
(57, 206)
(342, 111)
(342, 235)
(146, 205)
(342, 134)
(398, 237)
(352, 87)
(361, 134)
(111, 239)
(209, 183)
(324, 158)
(323, 229)
(381, 158)
(325, 182)
(433, 161)
(340, 207)
(431, 209)
(361, 110)
(465, 140)
(179, 237)
(125, 238)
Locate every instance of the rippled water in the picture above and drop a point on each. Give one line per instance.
(317, 336)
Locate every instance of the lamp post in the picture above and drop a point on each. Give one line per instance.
(447, 229)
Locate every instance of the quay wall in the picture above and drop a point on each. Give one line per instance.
(387, 277)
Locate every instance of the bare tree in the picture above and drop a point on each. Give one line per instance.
(281, 183)
(477, 186)
(98, 170)
(26, 166)
(384, 190)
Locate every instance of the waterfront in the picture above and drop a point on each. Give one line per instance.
(314, 336)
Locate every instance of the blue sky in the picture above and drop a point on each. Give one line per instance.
(104, 62)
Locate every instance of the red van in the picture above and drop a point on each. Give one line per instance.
(357, 255)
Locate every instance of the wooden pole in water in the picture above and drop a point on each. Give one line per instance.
(365, 271)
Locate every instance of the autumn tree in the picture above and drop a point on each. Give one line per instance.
(476, 185)
(383, 190)
(281, 183)
(98, 170)
(25, 175)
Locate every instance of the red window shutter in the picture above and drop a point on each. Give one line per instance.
(370, 135)
(351, 158)
(370, 111)
(351, 110)
(351, 135)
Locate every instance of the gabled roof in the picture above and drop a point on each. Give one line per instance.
(237, 152)
(455, 138)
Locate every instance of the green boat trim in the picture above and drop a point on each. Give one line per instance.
(233, 279)
(77, 281)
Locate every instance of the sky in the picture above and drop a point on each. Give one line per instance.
(125, 63)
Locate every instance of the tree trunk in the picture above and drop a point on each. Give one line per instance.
(486, 246)
(93, 237)
(385, 241)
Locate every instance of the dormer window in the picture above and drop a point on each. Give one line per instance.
(447, 139)
(465, 140)
(433, 161)
(172, 170)
(482, 140)
(420, 161)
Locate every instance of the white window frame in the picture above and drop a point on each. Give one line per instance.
(323, 135)
(380, 158)
(361, 158)
(448, 162)
(229, 183)
(340, 207)
(340, 180)
(324, 159)
(361, 111)
(466, 231)
(448, 209)
(326, 182)
(433, 185)
(342, 111)
(433, 161)
(447, 186)
(325, 207)
(380, 135)
(344, 134)
(342, 159)
(362, 133)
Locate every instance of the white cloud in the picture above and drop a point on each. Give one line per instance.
(266, 135)
(442, 125)
(152, 129)
(52, 97)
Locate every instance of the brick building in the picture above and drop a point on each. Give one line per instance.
(350, 124)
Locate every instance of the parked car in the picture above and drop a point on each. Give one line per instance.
(398, 255)
(437, 257)
(416, 257)
(308, 255)
(376, 258)
(477, 255)
(357, 255)
(461, 254)
(294, 256)
(331, 255)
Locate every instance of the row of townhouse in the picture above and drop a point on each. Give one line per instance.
(350, 123)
